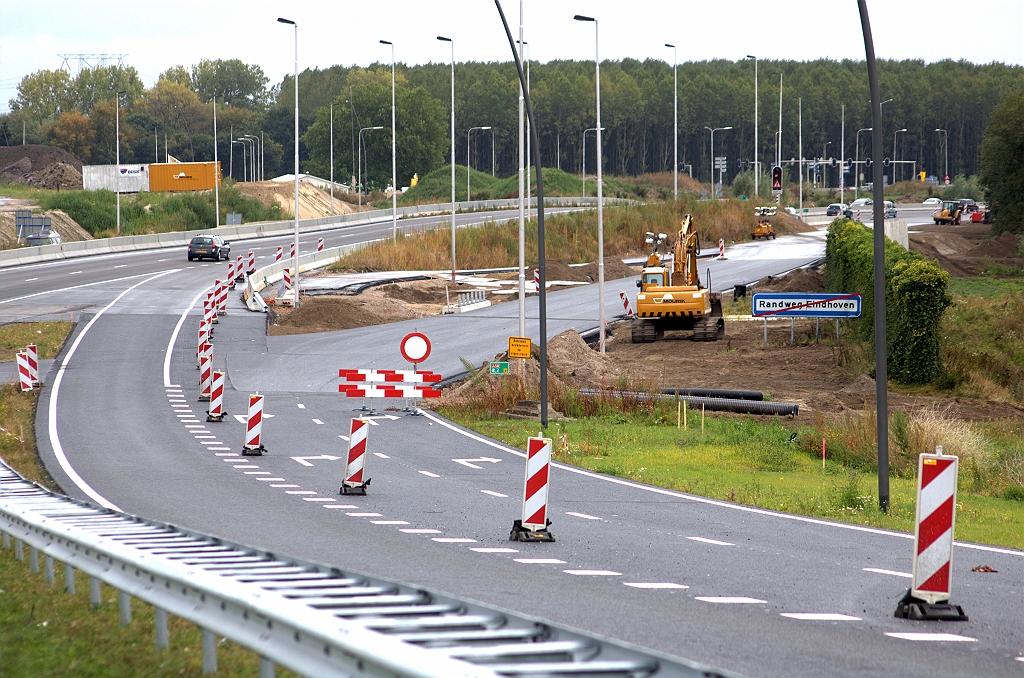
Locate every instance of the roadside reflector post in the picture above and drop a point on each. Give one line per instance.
(291, 251)
(216, 411)
(253, 446)
(355, 467)
(320, 245)
(205, 377)
(277, 257)
(23, 372)
(32, 353)
(535, 522)
(931, 585)
(231, 275)
(222, 297)
(251, 268)
(239, 269)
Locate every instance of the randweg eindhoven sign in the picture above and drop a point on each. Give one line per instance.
(806, 305)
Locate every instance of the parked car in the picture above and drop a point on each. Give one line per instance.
(890, 209)
(44, 237)
(861, 203)
(835, 209)
(208, 247)
(932, 201)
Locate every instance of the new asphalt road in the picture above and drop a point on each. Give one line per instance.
(754, 591)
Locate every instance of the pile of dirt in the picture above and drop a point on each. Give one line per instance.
(328, 313)
(42, 166)
(422, 292)
(68, 228)
(962, 251)
(800, 280)
(1000, 247)
(314, 202)
(577, 364)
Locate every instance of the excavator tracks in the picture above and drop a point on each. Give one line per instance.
(709, 328)
(644, 331)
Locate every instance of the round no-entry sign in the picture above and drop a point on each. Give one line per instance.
(415, 347)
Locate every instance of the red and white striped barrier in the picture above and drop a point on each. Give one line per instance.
(355, 467)
(205, 346)
(392, 384)
(24, 375)
(239, 269)
(220, 293)
(626, 308)
(390, 376)
(536, 280)
(251, 268)
(216, 411)
(211, 305)
(721, 248)
(231, 275)
(280, 252)
(320, 245)
(931, 584)
(253, 447)
(388, 391)
(287, 279)
(291, 251)
(534, 524)
(32, 353)
(205, 378)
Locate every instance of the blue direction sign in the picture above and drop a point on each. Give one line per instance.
(806, 305)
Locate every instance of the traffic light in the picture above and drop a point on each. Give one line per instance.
(777, 178)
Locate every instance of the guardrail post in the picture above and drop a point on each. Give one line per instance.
(209, 652)
(7, 540)
(48, 569)
(124, 604)
(33, 559)
(163, 638)
(266, 668)
(19, 553)
(69, 579)
(94, 593)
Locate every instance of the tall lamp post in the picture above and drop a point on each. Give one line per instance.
(295, 273)
(394, 148)
(945, 140)
(117, 133)
(332, 158)
(714, 192)
(257, 153)
(778, 152)
(584, 173)
(894, 152)
(757, 167)
(452, 43)
(469, 197)
(600, 180)
(240, 142)
(216, 169)
(824, 170)
(360, 163)
(856, 164)
(675, 121)
(522, 193)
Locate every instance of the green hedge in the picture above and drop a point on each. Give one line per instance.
(915, 298)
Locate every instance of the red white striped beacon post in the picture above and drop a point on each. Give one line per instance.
(253, 446)
(251, 268)
(231, 275)
(291, 251)
(24, 375)
(626, 307)
(239, 269)
(216, 411)
(32, 353)
(355, 467)
(320, 245)
(221, 294)
(287, 279)
(205, 378)
(280, 252)
(931, 585)
(534, 524)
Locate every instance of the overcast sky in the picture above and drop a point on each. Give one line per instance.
(155, 35)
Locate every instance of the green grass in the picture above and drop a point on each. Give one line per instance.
(750, 462)
(47, 336)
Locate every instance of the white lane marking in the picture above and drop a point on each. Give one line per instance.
(31, 279)
(210, 442)
(302, 460)
(225, 454)
(819, 616)
(390, 522)
(1020, 659)
(365, 515)
(218, 448)
(470, 464)
(123, 265)
(429, 474)
(317, 421)
(731, 600)
(317, 499)
(284, 486)
(275, 480)
(257, 473)
(453, 540)
(540, 561)
(942, 637)
(342, 506)
(98, 282)
(417, 530)
(581, 515)
(232, 461)
(203, 265)
(161, 260)
(892, 572)
(495, 494)
(656, 585)
(711, 541)
(58, 449)
(300, 491)
(490, 550)
(593, 573)
(705, 500)
(74, 273)
(340, 436)
(381, 455)
(301, 406)
(174, 337)
(202, 437)
(245, 466)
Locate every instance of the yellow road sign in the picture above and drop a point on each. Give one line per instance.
(519, 347)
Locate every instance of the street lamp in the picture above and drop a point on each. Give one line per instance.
(360, 164)
(247, 169)
(117, 126)
(394, 165)
(257, 153)
(675, 121)
(522, 200)
(824, 172)
(332, 158)
(714, 191)
(945, 139)
(216, 169)
(856, 169)
(894, 152)
(240, 142)
(468, 165)
(778, 156)
(452, 43)
(584, 177)
(600, 180)
(295, 273)
(757, 167)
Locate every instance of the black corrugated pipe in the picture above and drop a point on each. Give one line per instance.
(709, 404)
(714, 393)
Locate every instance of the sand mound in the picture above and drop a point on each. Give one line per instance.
(577, 364)
(42, 166)
(422, 291)
(862, 386)
(800, 280)
(313, 202)
(329, 313)
(999, 247)
(38, 156)
(68, 228)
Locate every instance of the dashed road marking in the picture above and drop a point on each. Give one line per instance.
(271, 479)
(31, 279)
(495, 494)
(493, 550)
(301, 406)
(218, 448)
(593, 573)
(540, 561)
(123, 265)
(819, 616)
(891, 572)
(226, 454)
(454, 540)
(256, 473)
(342, 506)
(581, 515)
(300, 491)
(731, 600)
(940, 637)
(417, 530)
(365, 515)
(284, 485)
(656, 585)
(244, 466)
(343, 437)
(429, 474)
(317, 499)
(74, 273)
(390, 522)
(711, 541)
(381, 455)
(317, 421)
(202, 437)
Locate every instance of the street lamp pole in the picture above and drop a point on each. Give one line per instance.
(778, 157)
(945, 139)
(469, 196)
(584, 176)
(522, 194)
(824, 172)
(800, 151)
(295, 273)
(117, 133)
(714, 192)
(332, 158)
(257, 153)
(216, 168)
(856, 164)
(241, 143)
(394, 150)
(842, 156)
(757, 167)
(894, 152)
(359, 169)
(675, 121)
(452, 43)
(600, 181)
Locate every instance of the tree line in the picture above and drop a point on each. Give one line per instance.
(637, 114)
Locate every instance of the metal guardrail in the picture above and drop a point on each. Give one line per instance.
(315, 619)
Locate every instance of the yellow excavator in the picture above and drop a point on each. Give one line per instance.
(676, 300)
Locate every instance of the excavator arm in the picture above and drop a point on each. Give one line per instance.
(684, 270)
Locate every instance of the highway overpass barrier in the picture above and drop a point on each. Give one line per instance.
(315, 619)
(253, 447)
(355, 465)
(263, 229)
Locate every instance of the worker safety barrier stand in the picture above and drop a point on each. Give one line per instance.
(253, 446)
(251, 268)
(320, 245)
(216, 411)
(533, 527)
(24, 375)
(627, 309)
(32, 355)
(239, 269)
(231, 275)
(407, 384)
(928, 597)
(205, 378)
(355, 466)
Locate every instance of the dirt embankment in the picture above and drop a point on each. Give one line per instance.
(40, 166)
(314, 202)
(329, 313)
(68, 228)
(964, 250)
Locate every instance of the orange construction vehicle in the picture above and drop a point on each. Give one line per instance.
(763, 228)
